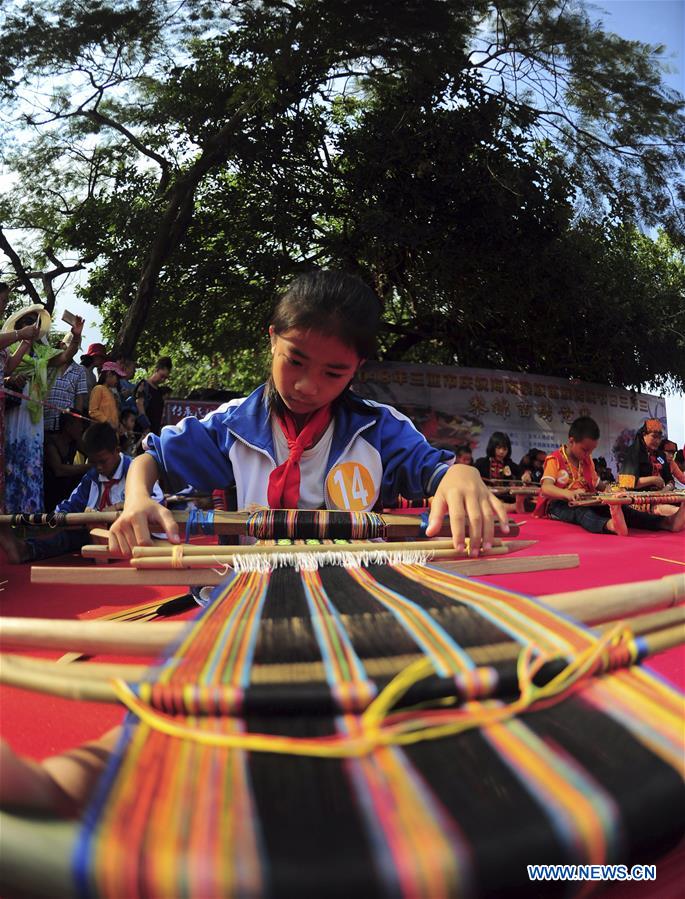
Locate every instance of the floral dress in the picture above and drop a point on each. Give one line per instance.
(24, 433)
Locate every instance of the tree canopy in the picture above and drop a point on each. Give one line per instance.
(488, 167)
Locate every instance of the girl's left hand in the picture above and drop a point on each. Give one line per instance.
(463, 495)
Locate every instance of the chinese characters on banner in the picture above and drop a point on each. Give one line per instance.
(176, 409)
(454, 406)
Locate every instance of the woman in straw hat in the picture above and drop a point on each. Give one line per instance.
(24, 423)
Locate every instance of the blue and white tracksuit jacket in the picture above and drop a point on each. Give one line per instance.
(89, 489)
(376, 454)
(85, 495)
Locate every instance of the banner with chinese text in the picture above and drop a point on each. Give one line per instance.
(175, 409)
(455, 406)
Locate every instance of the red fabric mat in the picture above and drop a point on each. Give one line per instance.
(39, 725)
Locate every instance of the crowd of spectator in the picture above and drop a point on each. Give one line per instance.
(54, 399)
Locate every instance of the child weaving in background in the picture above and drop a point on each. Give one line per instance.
(101, 489)
(570, 471)
(302, 440)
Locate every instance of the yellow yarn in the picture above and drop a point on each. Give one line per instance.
(376, 731)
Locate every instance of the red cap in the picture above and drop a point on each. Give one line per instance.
(96, 349)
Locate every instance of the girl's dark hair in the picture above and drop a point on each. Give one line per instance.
(103, 376)
(333, 303)
(499, 438)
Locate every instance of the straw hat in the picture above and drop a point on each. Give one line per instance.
(43, 317)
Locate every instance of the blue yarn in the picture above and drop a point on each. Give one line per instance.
(423, 523)
(199, 522)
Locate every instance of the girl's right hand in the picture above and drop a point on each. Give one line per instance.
(133, 526)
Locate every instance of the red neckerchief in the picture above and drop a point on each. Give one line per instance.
(283, 491)
(495, 469)
(106, 491)
(655, 463)
(586, 476)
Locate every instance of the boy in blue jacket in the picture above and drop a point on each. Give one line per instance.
(100, 489)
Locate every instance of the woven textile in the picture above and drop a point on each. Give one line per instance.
(594, 778)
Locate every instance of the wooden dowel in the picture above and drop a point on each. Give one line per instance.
(194, 551)
(90, 637)
(57, 684)
(141, 552)
(661, 640)
(640, 625)
(650, 621)
(134, 638)
(440, 549)
(89, 681)
(604, 603)
(216, 551)
(81, 671)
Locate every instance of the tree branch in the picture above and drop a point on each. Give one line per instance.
(21, 272)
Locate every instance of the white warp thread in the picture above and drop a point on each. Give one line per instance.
(312, 561)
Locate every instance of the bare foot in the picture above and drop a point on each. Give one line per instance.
(27, 785)
(675, 522)
(62, 784)
(14, 549)
(617, 523)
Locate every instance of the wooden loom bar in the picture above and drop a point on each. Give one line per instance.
(598, 604)
(164, 548)
(145, 639)
(91, 637)
(439, 549)
(207, 577)
(191, 550)
(89, 681)
(233, 523)
(621, 498)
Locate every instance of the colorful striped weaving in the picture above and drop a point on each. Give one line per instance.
(301, 524)
(595, 777)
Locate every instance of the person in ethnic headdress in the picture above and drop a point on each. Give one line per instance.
(644, 463)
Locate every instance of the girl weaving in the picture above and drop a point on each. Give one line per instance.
(304, 440)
